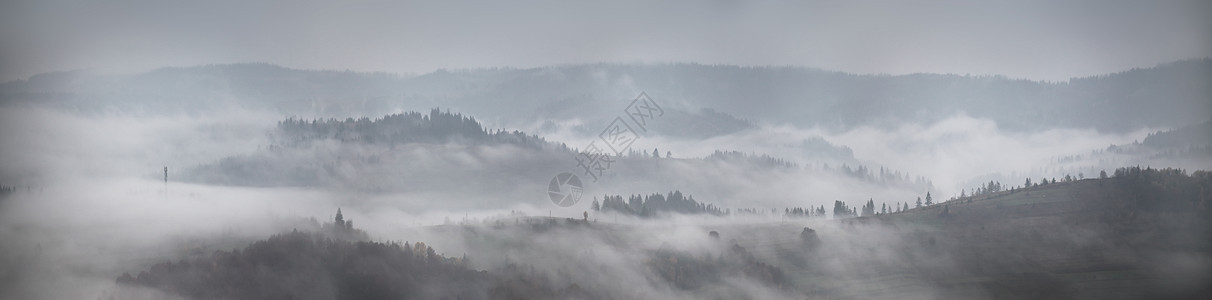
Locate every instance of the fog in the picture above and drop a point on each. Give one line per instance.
(91, 203)
(49, 145)
(624, 150)
(952, 153)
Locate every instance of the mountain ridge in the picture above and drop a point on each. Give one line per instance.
(1164, 96)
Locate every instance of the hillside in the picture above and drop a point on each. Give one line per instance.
(382, 155)
(1140, 234)
(336, 263)
(303, 265)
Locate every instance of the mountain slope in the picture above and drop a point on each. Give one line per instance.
(1140, 234)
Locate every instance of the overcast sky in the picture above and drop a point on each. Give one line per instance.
(1025, 39)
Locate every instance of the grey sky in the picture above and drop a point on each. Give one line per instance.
(1028, 39)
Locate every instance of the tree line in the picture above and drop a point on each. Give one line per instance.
(402, 128)
(655, 204)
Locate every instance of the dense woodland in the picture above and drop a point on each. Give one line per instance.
(1157, 211)
(344, 153)
(403, 128)
(655, 205)
(1164, 190)
(1193, 135)
(301, 265)
(340, 262)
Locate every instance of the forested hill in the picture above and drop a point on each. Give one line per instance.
(317, 265)
(1138, 234)
(402, 128)
(1194, 135)
(307, 265)
(1134, 235)
(383, 154)
(655, 205)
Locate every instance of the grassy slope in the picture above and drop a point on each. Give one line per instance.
(1084, 239)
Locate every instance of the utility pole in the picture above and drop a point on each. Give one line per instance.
(165, 180)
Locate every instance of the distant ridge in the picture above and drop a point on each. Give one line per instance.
(1165, 96)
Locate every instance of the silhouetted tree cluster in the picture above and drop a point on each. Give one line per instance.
(868, 209)
(1181, 137)
(987, 188)
(805, 212)
(885, 177)
(657, 204)
(5, 190)
(840, 210)
(300, 265)
(763, 160)
(1168, 190)
(404, 128)
(343, 229)
(752, 211)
